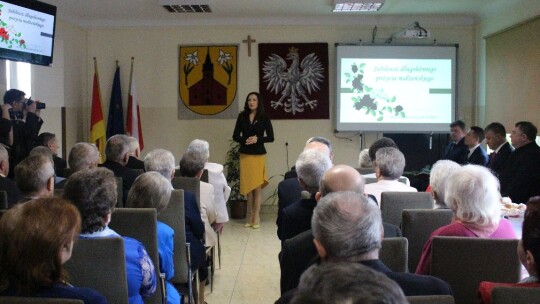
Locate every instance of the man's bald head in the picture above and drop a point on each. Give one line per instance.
(342, 178)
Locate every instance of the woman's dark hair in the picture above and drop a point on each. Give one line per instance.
(31, 238)
(260, 106)
(93, 192)
(531, 230)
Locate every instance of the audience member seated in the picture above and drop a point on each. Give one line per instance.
(36, 239)
(134, 161)
(162, 161)
(93, 192)
(191, 165)
(331, 283)
(216, 179)
(6, 183)
(41, 150)
(476, 153)
(389, 165)
(364, 161)
(456, 150)
(35, 177)
(310, 166)
(151, 190)
(289, 190)
(383, 142)
(438, 177)
(347, 228)
(472, 193)
(496, 140)
(117, 153)
(528, 252)
(50, 141)
(519, 176)
(299, 252)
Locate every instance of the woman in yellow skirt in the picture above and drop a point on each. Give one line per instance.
(250, 129)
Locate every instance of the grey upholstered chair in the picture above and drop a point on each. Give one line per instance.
(417, 225)
(393, 203)
(140, 224)
(393, 253)
(25, 300)
(190, 184)
(435, 299)
(464, 262)
(372, 179)
(515, 295)
(365, 171)
(100, 264)
(174, 216)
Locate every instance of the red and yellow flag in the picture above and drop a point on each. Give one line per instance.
(97, 123)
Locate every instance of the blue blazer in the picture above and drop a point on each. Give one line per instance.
(478, 157)
(194, 230)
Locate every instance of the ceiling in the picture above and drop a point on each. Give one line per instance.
(95, 13)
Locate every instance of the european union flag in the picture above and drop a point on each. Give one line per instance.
(115, 123)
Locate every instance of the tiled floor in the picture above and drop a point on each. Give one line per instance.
(250, 271)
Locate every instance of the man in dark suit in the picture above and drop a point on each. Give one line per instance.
(117, 153)
(520, 178)
(496, 140)
(289, 190)
(299, 252)
(456, 150)
(477, 155)
(347, 227)
(296, 218)
(6, 183)
(134, 161)
(50, 141)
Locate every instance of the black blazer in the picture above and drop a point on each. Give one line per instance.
(496, 164)
(244, 129)
(457, 151)
(519, 177)
(478, 157)
(411, 284)
(299, 252)
(128, 176)
(297, 217)
(289, 191)
(12, 191)
(59, 165)
(135, 163)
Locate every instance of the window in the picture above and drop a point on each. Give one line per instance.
(19, 76)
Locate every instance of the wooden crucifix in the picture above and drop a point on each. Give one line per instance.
(249, 41)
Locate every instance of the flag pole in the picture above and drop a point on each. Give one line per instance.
(131, 74)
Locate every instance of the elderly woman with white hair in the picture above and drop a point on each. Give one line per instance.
(472, 192)
(438, 177)
(217, 179)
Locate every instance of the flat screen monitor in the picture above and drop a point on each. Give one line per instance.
(395, 88)
(27, 31)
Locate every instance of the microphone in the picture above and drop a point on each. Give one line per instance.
(287, 153)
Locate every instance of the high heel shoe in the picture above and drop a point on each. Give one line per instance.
(256, 226)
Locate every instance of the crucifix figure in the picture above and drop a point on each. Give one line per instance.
(249, 41)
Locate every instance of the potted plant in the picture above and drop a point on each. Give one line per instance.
(237, 202)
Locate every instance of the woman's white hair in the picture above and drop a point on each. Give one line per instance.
(364, 161)
(472, 192)
(201, 148)
(438, 178)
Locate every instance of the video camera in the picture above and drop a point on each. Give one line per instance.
(39, 105)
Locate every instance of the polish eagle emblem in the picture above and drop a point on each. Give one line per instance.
(295, 82)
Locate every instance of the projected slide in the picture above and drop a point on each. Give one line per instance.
(404, 94)
(25, 30)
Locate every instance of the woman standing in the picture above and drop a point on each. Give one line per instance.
(251, 125)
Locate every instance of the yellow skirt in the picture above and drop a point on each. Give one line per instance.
(252, 172)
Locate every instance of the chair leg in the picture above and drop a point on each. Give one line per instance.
(219, 251)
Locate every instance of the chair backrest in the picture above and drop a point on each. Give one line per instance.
(417, 225)
(119, 192)
(174, 216)
(512, 295)
(25, 300)
(364, 171)
(393, 253)
(3, 200)
(435, 299)
(190, 184)
(140, 224)
(100, 264)
(393, 203)
(465, 262)
(373, 179)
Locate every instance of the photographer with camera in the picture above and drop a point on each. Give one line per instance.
(25, 120)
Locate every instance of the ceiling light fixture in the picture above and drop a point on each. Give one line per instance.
(186, 6)
(357, 5)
